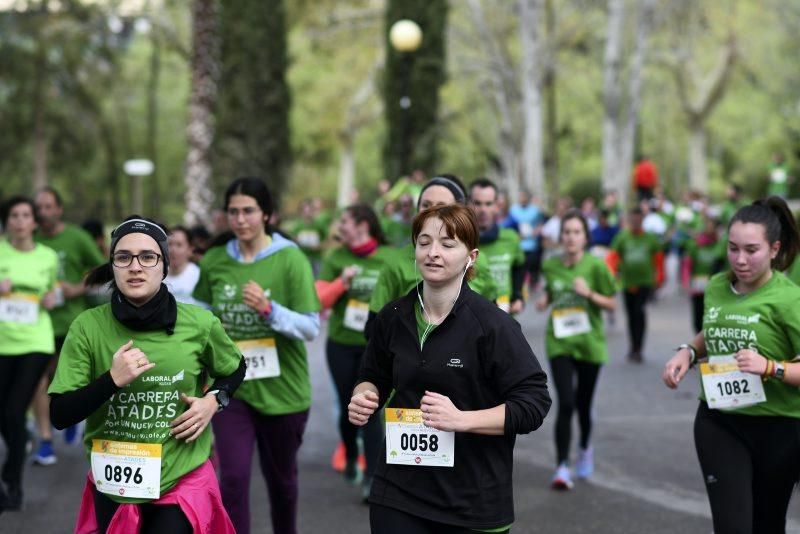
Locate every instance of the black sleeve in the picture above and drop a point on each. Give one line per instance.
(67, 409)
(370, 324)
(376, 363)
(231, 382)
(517, 281)
(517, 377)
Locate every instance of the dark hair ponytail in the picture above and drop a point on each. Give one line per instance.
(779, 225)
(101, 275)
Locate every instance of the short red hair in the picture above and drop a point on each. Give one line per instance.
(459, 222)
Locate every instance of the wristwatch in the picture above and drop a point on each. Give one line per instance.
(692, 352)
(780, 371)
(222, 398)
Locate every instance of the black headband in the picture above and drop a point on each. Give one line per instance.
(143, 226)
(454, 188)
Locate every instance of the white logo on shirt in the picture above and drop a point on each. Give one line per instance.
(455, 362)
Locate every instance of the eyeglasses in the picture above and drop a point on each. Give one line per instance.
(145, 259)
(247, 212)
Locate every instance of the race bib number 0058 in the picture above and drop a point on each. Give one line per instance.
(410, 442)
(127, 469)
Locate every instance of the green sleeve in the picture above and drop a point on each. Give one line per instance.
(303, 297)
(604, 280)
(385, 288)
(220, 355)
(91, 254)
(328, 271)
(202, 291)
(74, 368)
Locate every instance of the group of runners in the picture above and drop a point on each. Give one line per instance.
(433, 375)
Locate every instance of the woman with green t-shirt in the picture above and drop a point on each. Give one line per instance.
(27, 280)
(578, 287)
(261, 287)
(747, 427)
(346, 282)
(135, 369)
(703, 258)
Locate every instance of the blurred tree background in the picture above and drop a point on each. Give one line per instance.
(302, 92)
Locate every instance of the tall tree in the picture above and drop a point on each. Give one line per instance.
(200, 126)
(619, 122)
(531, 12)
(412, 121)
(254, 99)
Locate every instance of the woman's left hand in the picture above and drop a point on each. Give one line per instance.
(253, 296)
(191, 423)
(751, 362)
(440, 413)
(49, 300)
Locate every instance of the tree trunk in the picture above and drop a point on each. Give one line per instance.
(347, 171)
(698, 169)
(551, 103)
(40, 144)
(533, 160)
(152, 123)
(628, 139)
(200, 127)
(612, 100)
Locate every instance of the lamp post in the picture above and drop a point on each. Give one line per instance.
(405, 37)
(136, 169)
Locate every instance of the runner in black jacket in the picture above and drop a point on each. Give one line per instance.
(466, 382)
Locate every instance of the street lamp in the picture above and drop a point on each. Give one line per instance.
(136, 169)
(405, 37)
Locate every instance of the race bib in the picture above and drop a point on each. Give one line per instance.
(261, 357)
(410, 442)
(504, 303)
(568, 322)
(726, 386)
(308, 239)
(698, 283)
(525, 230)
(19, 308)
(127, 469)
(356, 314)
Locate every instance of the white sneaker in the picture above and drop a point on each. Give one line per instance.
(585, 466)
(562, 480)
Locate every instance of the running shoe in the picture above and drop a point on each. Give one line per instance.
(45, 455)
(352, 472)
(585, 466)
(562, 480)
(338, 459)
(13, 501)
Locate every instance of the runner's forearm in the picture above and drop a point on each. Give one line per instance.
(67, 409)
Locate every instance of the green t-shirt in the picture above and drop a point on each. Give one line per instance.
(399, 276)
(501, 255)
(778, 180)
(32, 274)
(793, 272)
(767, 321)
(349, 314)
(286, 278)
(77, 254)
(589, 346)
(397, 233)
(142, 411)
(729, 209)
(309, 236)
(705, 259)
(636, 253)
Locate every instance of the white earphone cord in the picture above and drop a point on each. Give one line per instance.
(429, 328)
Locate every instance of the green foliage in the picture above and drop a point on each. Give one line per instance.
(254, 100)
(412, 133)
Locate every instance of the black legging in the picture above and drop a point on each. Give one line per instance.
(635, 304)
(698, 302)
(573, 395)
(385, 520)
(344, 362)
(19, 377)
(750, 465)
(156, 518)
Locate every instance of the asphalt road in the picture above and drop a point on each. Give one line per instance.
(647, 476)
